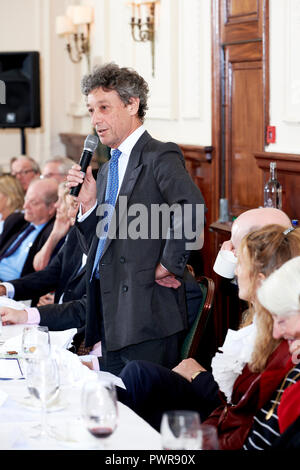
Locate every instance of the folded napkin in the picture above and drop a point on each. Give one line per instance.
(71, 370)
(235, 354)
(59, 339)
(62, 339)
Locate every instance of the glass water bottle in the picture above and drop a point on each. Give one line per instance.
(273, 190)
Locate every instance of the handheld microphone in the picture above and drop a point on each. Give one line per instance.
(89, 147)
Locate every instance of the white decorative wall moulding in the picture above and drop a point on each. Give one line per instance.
(292, 68)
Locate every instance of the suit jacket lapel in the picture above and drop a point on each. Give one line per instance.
(130, 178)
(101, 183)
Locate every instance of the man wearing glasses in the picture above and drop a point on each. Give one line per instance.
(25, 169)
(57, 168)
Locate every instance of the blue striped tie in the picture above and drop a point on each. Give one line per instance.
(110, 198)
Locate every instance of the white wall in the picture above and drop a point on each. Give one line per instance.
(180, 91)
(285, 75)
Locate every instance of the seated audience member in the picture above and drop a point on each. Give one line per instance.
(235, 379)
(24, 234)
(253, 219)
(64, 275)
(25, 169)
(11, 197)
(62, 224)
(277, 423)
(57, 168)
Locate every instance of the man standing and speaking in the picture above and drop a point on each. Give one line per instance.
(135, 301)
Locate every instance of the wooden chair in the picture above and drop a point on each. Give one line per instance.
(197, 330)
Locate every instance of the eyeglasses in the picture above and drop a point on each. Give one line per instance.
(22, 172)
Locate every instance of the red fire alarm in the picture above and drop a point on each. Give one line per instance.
(271, 134)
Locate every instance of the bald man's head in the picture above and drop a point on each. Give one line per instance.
(255, 219)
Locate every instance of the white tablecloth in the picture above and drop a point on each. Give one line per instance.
(19, 414)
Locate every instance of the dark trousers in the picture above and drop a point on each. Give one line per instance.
(164, 351)
(152, 389)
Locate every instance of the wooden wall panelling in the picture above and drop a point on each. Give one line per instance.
(288, 173)
(241, 20)
(244, 126)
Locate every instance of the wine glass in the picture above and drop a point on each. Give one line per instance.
(35, 341)
(208, 437)
(42, 378)
(180, 429)
(99, 408)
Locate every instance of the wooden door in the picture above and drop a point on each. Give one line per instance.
(240, 96)
(240, 100)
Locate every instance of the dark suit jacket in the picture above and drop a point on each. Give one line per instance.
(62, 275)
(134, 307)
(13, 225)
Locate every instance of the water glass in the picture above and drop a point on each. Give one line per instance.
(180, 430)
(35, 341)
(43, 383)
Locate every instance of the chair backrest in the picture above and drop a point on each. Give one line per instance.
(197, 330)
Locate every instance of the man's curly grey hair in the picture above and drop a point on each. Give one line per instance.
(125, 81)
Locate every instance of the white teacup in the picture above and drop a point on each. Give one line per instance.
(225, 264)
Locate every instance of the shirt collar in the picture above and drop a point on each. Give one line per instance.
(38, 227)
(127, 145)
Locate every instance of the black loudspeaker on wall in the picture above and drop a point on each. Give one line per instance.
(20, 74)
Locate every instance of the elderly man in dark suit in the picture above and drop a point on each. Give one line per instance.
(24, 234)
(135, 301)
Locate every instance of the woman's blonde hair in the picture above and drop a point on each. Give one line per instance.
(12, 189)
(267, 249)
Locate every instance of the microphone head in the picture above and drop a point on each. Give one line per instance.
(91, 143)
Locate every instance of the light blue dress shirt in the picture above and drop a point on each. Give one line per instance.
(11, 267)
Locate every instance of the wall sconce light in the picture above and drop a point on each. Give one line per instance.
(75, 26)
(143, 23)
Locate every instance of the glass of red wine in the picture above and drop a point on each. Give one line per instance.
(99, 409)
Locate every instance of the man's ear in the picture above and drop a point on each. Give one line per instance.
(133, 105)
